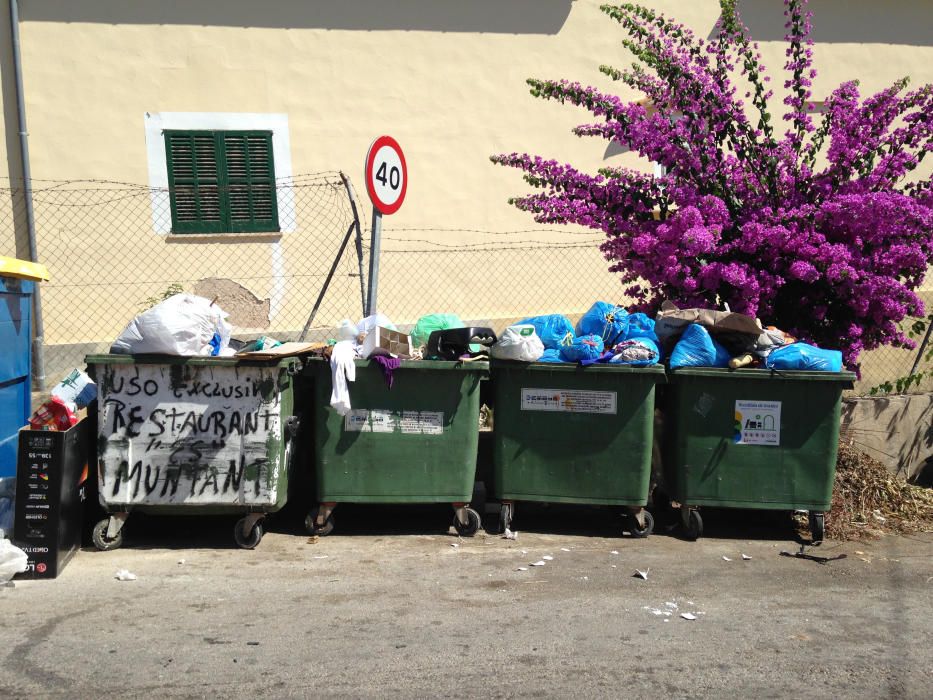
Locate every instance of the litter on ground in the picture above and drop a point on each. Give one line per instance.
(124, 575)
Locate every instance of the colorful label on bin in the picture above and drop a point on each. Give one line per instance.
(406, 422)
(569, 401)
(757, 423)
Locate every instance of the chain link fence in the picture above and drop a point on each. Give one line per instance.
(111, 253)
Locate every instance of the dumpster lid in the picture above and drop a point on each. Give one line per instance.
(23, 269)
(574, 367)
(744, 373)
(234, 361)
(472, 365)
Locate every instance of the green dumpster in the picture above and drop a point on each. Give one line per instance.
(569, 434)
(193, 436)
(753, 438)
(413, 443)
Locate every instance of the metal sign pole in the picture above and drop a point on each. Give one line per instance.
(374, 250)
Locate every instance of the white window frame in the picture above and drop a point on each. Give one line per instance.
(157, 122)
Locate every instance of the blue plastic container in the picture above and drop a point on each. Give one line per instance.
(15, 366)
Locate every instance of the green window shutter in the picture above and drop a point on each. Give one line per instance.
(221, 181)
(251, 181)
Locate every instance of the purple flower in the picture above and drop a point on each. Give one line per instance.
(832, 254)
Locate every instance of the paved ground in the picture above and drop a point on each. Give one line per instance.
(376, 610)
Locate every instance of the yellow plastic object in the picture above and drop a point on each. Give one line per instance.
(14, 267)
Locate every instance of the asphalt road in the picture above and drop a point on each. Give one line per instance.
(378, 610)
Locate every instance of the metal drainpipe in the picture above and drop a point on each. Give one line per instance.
(38, 342)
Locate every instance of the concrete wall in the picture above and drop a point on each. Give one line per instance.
(895, 430)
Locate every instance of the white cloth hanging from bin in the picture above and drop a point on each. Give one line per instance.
(342, 370)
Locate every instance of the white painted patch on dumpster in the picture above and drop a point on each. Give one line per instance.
(189, 434)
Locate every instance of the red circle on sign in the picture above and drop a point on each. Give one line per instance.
(40, 567)
(375, 174)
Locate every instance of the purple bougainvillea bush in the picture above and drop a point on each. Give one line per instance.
(825, 229)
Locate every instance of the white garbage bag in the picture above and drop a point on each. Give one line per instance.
(13, 560)
(183, 324)
(520, 343)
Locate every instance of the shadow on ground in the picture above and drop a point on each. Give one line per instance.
(146, 531)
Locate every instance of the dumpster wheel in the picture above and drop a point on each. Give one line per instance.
(637, 529)
(101, 540)
(505, 517)
(692, 523)
(471, 527)
(251, 539)
(817, 526)
(311, 526)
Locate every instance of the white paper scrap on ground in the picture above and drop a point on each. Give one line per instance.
(745, 557)
(454, 544)
(522, 568)
(124, 575)
(641, 574)
(688, 616)
(564, 549)
(725, 558)
(538, 563)
(671, 605)
(614, 551)
(509, 535)
(524, 551)
(320, 556)
(181, 561)
(548, 557)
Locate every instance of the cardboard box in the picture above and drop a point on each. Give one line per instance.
(393, 342)
(51, 481)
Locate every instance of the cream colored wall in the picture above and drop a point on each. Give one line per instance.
(446, 79)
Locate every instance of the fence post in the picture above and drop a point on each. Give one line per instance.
(923, 347)
(359, 238)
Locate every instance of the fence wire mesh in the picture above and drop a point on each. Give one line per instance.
(110, 253)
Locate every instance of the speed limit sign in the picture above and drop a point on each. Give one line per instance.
(386, 175)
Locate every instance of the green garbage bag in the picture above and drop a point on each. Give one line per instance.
(435, 322)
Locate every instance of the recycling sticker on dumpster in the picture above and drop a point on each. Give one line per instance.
(382, 421)
(757, 423)
(569, 401)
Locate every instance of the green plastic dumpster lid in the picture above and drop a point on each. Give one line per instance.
(759, 374)
(599, 368)
(183, 360)
(474, 366)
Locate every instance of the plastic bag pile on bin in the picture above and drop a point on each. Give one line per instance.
(606, 333)
(687, 337)
(707, 338)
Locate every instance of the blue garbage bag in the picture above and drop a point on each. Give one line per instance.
(638, 326)
(550, 355)
(802, 356)
(637, 352)
(586, 347)
(553, 329)
(605, 320)
(696, 348)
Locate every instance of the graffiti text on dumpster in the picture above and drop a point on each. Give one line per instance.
(198, 435)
